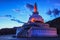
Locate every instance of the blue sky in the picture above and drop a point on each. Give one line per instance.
(17, 10)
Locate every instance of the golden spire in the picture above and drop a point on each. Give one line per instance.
(35, 8)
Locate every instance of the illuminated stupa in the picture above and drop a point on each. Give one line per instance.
(35, 27)
(35, 16)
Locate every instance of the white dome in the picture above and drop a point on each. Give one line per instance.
(36, 17)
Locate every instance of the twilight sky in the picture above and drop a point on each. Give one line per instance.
(16, 9)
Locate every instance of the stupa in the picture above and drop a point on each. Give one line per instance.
(35, 27)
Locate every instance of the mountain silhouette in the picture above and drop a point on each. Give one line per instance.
(55, 23)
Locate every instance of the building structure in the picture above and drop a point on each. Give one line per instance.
(35, 27)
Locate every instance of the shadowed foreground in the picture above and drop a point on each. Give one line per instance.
(10, 37)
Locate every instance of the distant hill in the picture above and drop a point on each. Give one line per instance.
(6, 31)
(55, 23)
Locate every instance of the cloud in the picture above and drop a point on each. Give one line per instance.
(29, 6)
(49, 12)
(16, 10)
(17, 20)
(55, 12)
(8, 16)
